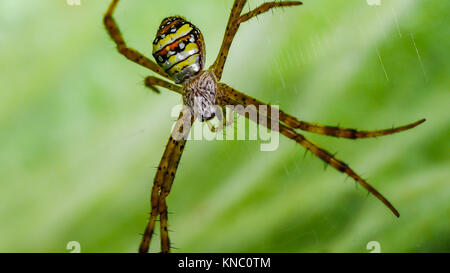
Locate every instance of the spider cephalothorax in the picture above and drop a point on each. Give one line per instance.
(179, 51)
(200, 95)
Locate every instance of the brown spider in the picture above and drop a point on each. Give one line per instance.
(180, 55)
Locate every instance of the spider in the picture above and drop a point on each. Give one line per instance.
(179, 51)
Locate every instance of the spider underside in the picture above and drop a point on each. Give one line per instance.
(202, 91)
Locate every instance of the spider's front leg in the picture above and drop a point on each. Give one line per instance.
(221, 114)
(164, 178)
(151, 82)
(230, 32)
(265, 7)
(294, 123)
(319, 152)
(335, 163)
(233, 24)
(130, 53)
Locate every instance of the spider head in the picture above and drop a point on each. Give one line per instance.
(179, 49)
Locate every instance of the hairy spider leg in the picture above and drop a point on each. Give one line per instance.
(230, 32)
(151, 82)
(266, 7)
(319, 152)
(163, 181)
(164, 227)
(233, 24)
(130, 53)
(294, 123)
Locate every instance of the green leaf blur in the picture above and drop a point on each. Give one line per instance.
(80, 135)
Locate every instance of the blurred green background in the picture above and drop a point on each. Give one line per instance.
(80, 136)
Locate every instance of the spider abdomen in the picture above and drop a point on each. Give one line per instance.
(179, 49)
